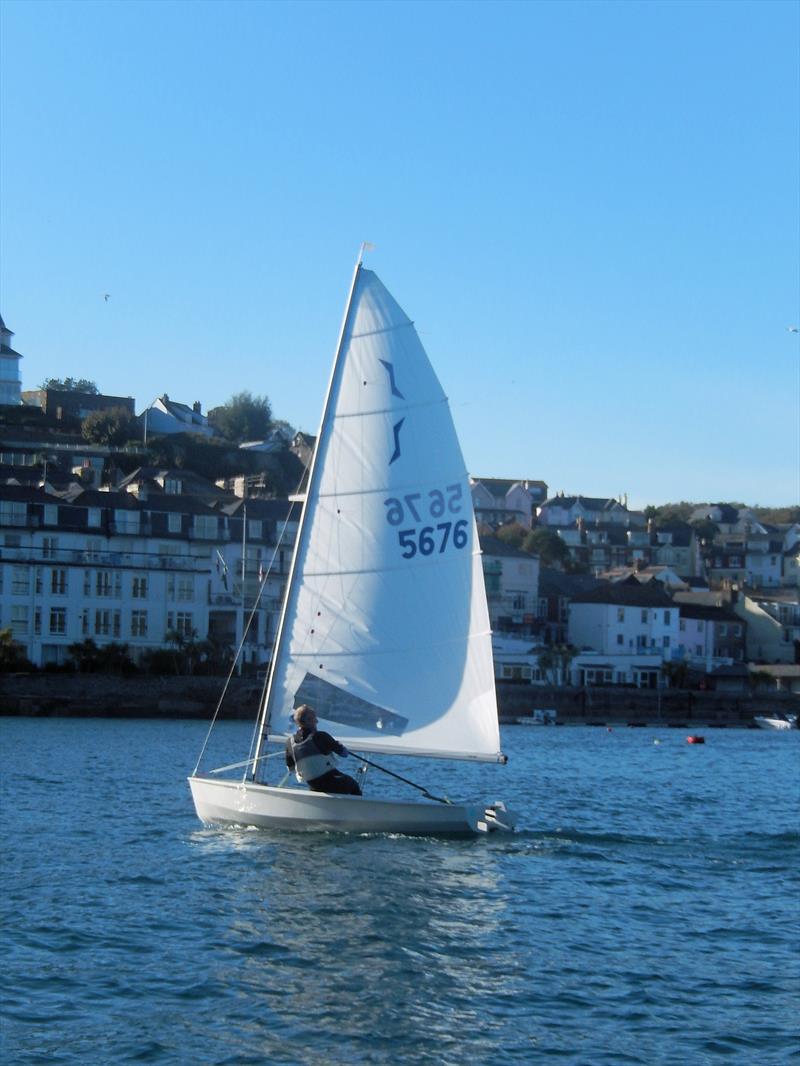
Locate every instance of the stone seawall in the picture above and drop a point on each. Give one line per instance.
(103, 696)
(629, 706)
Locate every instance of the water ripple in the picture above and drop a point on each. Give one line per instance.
(639, 916)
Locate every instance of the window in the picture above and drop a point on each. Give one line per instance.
(20, 581)
(85, 621)
(93, 547)
(185, 588)
(13, 514)
(698, 649)
(126, 521)
(620, 638)
(723, 629)
(644, 615)
(50, 514)
(107, 623)
(93, 516)
(701, 626)
(205, 527)
(181, 622)
(58, 619)
(737, 630)
(173, 486)
(37, 621)
(683, 625)
(37, 580)
(174, 523)
(518, 602)
(103, 583)
(138, 623)
(667, 616)
(19, 621)
(254, 529)
(58, 582)
(620, 614)
(140, 586)
(49, 547)
(665, 642)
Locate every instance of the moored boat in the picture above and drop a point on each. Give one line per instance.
(779, 722)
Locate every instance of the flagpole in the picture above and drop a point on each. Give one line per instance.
(244, 566)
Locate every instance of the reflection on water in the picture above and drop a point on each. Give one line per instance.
(406, 929)
(632, 919)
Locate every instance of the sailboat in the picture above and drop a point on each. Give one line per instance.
(384, 628)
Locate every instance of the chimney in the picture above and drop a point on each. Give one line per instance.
(196, 407)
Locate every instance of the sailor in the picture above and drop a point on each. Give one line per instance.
(310, 754)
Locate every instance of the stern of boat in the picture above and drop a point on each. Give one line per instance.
(497, 819)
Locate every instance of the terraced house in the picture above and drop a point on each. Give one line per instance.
(141, 567)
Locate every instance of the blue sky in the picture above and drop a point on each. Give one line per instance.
(590, 210)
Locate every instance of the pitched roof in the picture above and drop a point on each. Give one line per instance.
(707, 613)
(627, 593)
(592, 503)
(495, 546)
(554, 582)
(499, 486)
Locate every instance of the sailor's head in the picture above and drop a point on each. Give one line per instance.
(305, 716)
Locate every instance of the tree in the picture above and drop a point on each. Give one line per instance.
(554, 662)
(86, 655)
(676, 674)
(71, 385)
(12, 654)
(512, 533)
(705, 530)
(111, 658)
(186, 650)
(243, 417)
(113, 426)
(547, 544)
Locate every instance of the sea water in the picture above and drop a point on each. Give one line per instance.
(645, 912)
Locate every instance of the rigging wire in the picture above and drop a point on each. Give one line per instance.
(278, 542)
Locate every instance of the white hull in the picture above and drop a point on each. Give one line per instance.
(220, 802)
(776, 723)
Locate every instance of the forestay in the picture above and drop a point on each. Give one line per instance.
(386, 630)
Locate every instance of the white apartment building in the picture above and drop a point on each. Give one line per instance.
(512, 585)
(114, 568)
(625, 618)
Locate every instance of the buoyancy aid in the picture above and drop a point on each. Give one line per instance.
(309, 761)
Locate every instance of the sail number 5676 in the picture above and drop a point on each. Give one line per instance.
(429, 538)
(413, 505)
(416, 507)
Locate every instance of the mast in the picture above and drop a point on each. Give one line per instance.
(301, 536)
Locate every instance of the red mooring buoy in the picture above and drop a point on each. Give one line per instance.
(695, 740)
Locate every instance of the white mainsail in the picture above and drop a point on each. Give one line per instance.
(385, 628)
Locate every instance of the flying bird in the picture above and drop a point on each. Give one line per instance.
(793, 329)
(107, 296)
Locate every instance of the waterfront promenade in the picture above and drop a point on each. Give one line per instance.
(107, 696)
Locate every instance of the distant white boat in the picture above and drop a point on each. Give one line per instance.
(385, 628)
(784, 722)
(539, 717)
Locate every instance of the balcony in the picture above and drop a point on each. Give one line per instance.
(219, 535)
(39, 556)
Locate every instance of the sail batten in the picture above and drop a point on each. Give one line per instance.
(386, 628)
